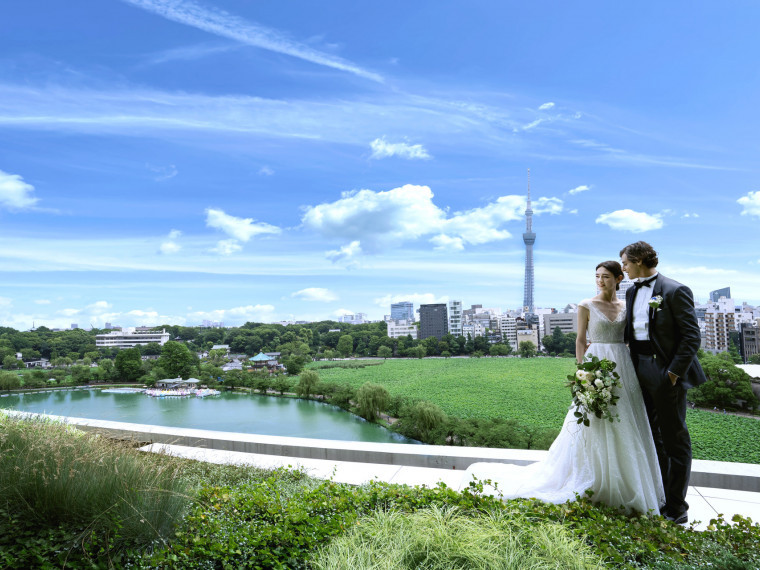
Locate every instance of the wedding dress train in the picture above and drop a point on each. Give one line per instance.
(615, 460)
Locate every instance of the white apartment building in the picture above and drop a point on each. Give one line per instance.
(473, 329)
(397, 329)
(129, 338)
(720, 320)
(508, 329)
(455, 318)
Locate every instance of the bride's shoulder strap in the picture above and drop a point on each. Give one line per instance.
(586, 303)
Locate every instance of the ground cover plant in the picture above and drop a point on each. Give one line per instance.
(242, 517)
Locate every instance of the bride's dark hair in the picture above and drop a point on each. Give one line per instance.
(614, 268)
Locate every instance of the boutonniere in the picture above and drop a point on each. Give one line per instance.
(655, 302)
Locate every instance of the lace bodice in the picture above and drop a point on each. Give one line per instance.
(600, 327)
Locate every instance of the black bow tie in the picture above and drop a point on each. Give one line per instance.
(644, 283)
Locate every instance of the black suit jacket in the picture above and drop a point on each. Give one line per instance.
(673, 329)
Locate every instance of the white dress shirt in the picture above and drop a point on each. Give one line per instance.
(641, 309)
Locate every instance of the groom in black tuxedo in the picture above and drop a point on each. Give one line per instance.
(663, 335)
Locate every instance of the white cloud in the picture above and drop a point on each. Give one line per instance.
(343, 312)
(266, 171)
(15, 194)
(42, 301)
(98, 307)
(259, 313)
(374, 220)
(347, 253)
(546, 106)
(442, 242)
(573, 211)
(315, 294)
(750, 204)
(631, 221)
(579, 189)
(69, 312)
(226, 25)
(140, 313)
(415, 298)
(170, 246)
(690, 215)
(227, 247)
(5, 302)
(384, 149)
(242, 229)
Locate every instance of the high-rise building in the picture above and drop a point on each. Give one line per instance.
(508, 329)
(529, 238)
(567, 323)
(749, 340)
(403, 311)
(719, 323)
(718, 293)
(399, 328)
(433, 321)
(455, 318)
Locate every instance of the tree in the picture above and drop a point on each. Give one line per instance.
(346, 345)
(10, 362)
(371, 400)
(294, 364)
(384, 352)
(128, 365)
(177, 360)
(527, 349)
(9, 381)
(306, 383)
(281, 384)
(499, 350)
(423, 418)
(754, 359)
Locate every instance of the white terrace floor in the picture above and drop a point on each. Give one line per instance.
(717, 487)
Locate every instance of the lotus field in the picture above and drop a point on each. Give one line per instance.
(532, 391)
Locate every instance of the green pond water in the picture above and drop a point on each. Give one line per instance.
(244, 413)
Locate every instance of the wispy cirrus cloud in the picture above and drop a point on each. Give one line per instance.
(381, 148)
(546, 106)
(15, 194)
(233, 27)
(631, 221)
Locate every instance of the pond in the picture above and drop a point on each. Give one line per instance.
(232, 412)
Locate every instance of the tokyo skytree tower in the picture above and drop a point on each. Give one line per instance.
(529, 237)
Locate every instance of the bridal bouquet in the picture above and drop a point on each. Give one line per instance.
(592, 387)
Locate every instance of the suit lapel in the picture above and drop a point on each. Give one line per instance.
(629, 311)
(656, 290)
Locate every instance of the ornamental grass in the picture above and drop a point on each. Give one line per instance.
(57, 475)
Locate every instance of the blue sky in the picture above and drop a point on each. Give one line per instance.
(175, 161)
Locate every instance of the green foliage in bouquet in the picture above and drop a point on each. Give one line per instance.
(592, 387)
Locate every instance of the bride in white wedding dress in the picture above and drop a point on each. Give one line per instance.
(615, 460)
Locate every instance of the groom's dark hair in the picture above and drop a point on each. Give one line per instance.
(641, 251)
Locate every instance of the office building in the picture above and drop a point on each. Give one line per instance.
(567, 323)
(433, 321)
(403, 311)
(749, 343)
(718, 293)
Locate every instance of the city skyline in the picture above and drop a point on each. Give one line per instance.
(181, 161)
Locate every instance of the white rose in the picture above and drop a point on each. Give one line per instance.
(598, 373)
(599, 383)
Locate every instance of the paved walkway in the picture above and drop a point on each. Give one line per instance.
(705, 503)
